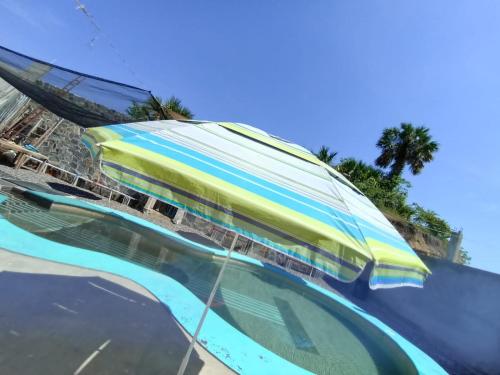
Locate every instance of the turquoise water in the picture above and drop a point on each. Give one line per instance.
(288, 318)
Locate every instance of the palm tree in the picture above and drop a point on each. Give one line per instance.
(356, 170)
(407, 145)
(325, 155)
(175, 105)
(157, 109)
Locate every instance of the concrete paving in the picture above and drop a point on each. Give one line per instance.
(60, 319)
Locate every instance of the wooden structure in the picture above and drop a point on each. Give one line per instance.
(22, 153)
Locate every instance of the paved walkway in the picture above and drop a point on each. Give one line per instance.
(59, 319)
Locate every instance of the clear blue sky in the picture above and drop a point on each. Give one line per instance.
(315, 72)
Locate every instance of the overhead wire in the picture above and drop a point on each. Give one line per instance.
(89, 16)
(83, 8)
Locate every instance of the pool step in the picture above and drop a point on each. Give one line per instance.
(297, 332)
(236, 300)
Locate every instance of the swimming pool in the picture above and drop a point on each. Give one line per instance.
(300, 323)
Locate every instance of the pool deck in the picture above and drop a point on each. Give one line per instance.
(74, 311)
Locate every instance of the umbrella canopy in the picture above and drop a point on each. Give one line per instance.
(262, 187)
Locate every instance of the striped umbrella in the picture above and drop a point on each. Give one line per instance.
(262, 187)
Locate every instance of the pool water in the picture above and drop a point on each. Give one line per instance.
(277, 311)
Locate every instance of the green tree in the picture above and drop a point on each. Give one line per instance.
(431, 221)
(405, 146)
(464, 257)
(174, 104)
(325, 155)
(358, 171)
(157, 109)
(387, 194)
(140, 112)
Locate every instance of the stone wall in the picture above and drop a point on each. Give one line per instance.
(422, 242)
(65, 149)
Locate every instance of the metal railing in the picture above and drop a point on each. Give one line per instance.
(43, 165)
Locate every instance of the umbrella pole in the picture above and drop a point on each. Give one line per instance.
(185, 360)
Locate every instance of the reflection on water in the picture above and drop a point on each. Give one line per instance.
(289, 319)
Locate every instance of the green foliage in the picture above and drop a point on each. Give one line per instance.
(464, 257)
(140, 112)
(390, 195)
(405, 146)
(431, 221)
(385, 193)
(157, 109)
(175, 105)
(146, 112)
(325, 155)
